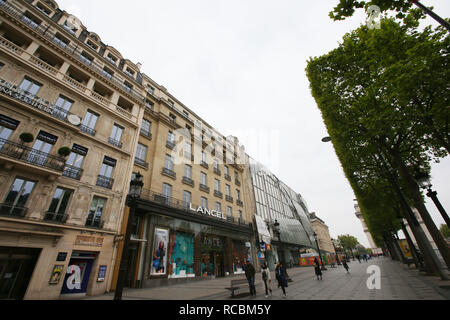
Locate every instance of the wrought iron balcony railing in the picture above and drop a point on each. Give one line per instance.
(32, 156)
(56, 217)
(9, 209)
(237, 182)
(87, 130)
(141, 162)
(217, 171)
(227, 176)
(72, 172)
(105, 182)
(239, 203)
(204, 164)
(146, 133)
(169, 173)
(115, 142)
(94, 222)
(170, 144)
(229, 199)
(204, 188)
(218, 194)
(188, 181)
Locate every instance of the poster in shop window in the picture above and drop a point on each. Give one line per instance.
(159, 257)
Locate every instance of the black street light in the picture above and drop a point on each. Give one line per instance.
(423, 180)
(134, 194)
(322, 267)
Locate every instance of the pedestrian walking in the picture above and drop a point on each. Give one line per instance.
(318, 272)
(280, 275)
(250, 275)
(359, 258)
(265, 273)
(344, 263)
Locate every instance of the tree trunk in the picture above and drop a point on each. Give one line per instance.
(416, 196)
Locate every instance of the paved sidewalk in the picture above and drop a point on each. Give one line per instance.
(398, 282)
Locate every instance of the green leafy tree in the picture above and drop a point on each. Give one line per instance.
(348, 242)
(346, 8)
(376, 92)
(445, 230)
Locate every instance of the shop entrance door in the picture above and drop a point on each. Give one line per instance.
(78, 273)
(219, 264)
(16, 269)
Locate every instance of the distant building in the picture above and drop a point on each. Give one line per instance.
(323, 234)
(359, 215)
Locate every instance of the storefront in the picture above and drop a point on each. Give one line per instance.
(183, 245)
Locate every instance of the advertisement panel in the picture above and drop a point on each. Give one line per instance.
(405, 248)
(160, 243)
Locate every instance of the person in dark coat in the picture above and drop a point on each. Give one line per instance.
(280, 275)
(250, 275)
(344, 263)
(318, 272)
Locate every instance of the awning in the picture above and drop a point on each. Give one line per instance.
(264, 234)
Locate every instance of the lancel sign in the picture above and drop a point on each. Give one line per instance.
(213, 213)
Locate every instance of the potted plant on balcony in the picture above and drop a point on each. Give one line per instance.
(26, 137)
(64, 151)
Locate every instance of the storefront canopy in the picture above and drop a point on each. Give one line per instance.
(264, 234)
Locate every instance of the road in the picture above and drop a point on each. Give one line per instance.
(398, 282)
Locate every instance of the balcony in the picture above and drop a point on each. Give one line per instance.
(87, 130)
(170, 144)
(204, 188)
(239, 203)
(229, 199)
(8, 209)
(227, 176)
(146, 133)
(237, 182)
(33, 101)
(188, 181)
(56, 217)
(73, 172)
(170, 173)
(71, 49)
(94, 222)
(104, 182)
(218, 194)
(115, 143)
(204, 164)
(34, 157)
(141, 162)
(217, 171)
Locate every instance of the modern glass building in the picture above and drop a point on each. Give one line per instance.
(279, 209)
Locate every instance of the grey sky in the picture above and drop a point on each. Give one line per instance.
(240, 65)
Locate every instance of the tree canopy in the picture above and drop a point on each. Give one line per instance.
(346, 8)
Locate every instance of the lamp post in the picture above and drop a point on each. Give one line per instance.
(134, 194)
(276, 230)
(423, 180)
(322, 267)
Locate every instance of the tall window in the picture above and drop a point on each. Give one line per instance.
(203, 156)
(229, 212)
(186, 199)
(187, 171)
(171, 137)
(238, 194)
(141, 152)
(41, 148)
(203, 178)
(17, 197)
(106, 172)
(227, 190)
(89, 121)
(204, 202)
(225, 168)
(116, 135)
(7, 126)
(62, 107)
(216, 185)
(240, 215)
(75, 162)
(218, 207)
(167, 190)
(146, 127)
(169, 162)
(30, 87)
(95, 212)
(216, 165)
(188, 150)
(59, 203)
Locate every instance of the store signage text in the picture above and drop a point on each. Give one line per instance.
(213, 213)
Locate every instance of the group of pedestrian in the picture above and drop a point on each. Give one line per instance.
(280, 275)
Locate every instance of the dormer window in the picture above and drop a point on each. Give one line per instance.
(129, 72)
(171, 103)
(43, 9)
(111, 59)
(92, 45)
(150, 89)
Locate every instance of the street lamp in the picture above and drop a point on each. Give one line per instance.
(322, 267)
(423, 180)
(133, 195)
(276, 231)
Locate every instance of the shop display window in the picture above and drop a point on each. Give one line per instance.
(207, 267)
(181, 255)
(239, 257)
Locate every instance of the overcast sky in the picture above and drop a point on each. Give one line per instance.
(240, 65)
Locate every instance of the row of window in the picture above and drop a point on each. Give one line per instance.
(19, 193)
(187, 198)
